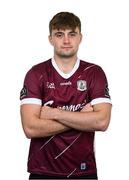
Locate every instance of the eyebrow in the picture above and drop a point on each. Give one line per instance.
(68, 32)
(73, 32)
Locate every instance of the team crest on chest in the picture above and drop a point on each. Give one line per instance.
(81, 85)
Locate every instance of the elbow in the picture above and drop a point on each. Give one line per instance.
(103, 125)
(31, 132)
(28, 133)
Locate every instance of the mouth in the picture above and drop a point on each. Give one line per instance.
(67, 47)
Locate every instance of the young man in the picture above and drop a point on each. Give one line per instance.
(63, 102)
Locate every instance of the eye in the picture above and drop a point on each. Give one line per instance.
(72, 34)
(59, 34)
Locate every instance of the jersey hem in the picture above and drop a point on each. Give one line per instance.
(64, 174)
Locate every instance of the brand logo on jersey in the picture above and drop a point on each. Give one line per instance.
(83, 166)
(107, 90)
(66, 83)
(23, 92)
(81, 85)
(50, 85)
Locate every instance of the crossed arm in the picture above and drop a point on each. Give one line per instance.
(44, 121)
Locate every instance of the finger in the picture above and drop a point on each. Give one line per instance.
(87, 108)
(87, 105)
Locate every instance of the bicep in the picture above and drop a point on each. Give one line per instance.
(104, 113)
(29, 112)
(103, 107)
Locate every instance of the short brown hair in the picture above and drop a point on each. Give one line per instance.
(64, 20)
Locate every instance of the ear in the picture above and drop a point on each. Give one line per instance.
(81, 37)
(50, 39)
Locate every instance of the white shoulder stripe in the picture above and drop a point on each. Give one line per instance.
(31, 101)
(100, 100)
(89, 67)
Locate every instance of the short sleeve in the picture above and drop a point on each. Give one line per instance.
(99, 91)
(31, 91)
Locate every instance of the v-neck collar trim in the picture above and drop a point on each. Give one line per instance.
(64, 75)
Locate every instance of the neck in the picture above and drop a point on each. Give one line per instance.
(65, 64)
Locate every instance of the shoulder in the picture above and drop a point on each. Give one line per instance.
(90, 67)
(39, 69)
(41, 66)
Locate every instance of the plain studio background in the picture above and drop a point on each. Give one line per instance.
(24, 42)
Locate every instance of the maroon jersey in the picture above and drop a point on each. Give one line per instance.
(69, 153)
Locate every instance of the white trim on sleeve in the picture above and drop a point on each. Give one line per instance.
(100, 100)
(31, 101)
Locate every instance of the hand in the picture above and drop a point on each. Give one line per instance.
(87, 108)
(47, 112)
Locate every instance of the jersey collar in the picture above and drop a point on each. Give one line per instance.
(64, 75)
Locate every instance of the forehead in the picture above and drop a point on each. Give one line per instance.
(66, 30)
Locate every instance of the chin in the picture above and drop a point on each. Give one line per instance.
(66, 55)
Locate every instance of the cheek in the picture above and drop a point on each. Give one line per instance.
(76, 43)
(57, 45)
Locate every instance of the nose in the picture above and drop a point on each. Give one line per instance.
(66, 39)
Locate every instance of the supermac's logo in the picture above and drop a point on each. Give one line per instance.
(81, 85)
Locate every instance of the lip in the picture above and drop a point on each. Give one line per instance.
(68, 47)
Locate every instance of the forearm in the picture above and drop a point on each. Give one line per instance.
(44, 128)
(35, 125)
(85, 121)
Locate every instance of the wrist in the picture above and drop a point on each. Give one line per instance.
(57, 114)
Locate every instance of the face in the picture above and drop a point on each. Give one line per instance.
(65, 42)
